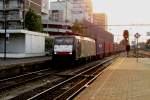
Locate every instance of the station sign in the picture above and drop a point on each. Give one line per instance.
(133, 42)
(137, 35)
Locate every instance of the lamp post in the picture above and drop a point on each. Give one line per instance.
(137, 36)
(5, 27)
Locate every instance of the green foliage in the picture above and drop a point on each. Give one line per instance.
(33, 21)
(48, 44)
(79, 28)
(148, 42)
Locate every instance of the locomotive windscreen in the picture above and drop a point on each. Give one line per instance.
(63, 45)
(63, 41)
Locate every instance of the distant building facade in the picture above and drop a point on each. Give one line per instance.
(60, 18)
(63, 13)
(36, 5)
(82, 10)
(45, 10)
(100, 19)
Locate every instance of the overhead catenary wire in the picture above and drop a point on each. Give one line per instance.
(122, 25)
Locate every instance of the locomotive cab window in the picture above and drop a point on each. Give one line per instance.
(64, 41)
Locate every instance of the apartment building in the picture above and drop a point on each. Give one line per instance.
(61, 11)
(100, 19)
(36, 5)
(60, 18)
(63, 14)
(45, 9)
(82, 10)
(15, 12)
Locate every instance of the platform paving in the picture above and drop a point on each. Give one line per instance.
(8, 63)
(145, 52)
(125, 79)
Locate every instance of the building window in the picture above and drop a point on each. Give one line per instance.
(14, 25)
(12, 4)
(57, 15)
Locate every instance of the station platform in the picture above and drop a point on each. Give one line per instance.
(13, 67)
(9, 63)
(125, 79)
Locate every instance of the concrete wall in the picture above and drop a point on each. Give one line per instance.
(34, 44)
(23, 43)
(16, 43)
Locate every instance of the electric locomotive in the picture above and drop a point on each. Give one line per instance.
(73, 48)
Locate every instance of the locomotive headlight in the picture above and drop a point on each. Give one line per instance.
(70, 53)
(55, 52)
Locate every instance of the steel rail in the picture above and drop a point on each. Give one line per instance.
(86, 85)
(11, 78)
(39, 95)
(9, 82)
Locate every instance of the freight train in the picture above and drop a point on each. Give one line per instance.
(79, 48)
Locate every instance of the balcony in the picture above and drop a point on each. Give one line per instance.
(10, 7)
(13, 5)
(18, 26)
(13, 17)
(15, 27)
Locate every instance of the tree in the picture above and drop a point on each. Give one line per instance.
(33, 21)
(79, 28)
(48, 45)
(148, 42)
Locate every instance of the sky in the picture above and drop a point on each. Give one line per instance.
(124, 12)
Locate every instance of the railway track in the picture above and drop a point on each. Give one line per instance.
(141, 55)
(54, 77)
(68, 88)
(144, 54)
(12, 82)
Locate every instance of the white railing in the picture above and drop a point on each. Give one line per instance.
(15, 27)
(12, 7)
(13, 17)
